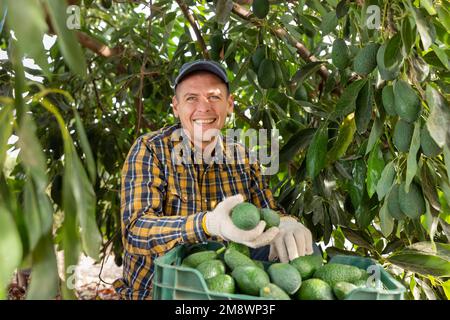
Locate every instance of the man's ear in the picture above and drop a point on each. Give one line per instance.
(175, 106)
(230, 102)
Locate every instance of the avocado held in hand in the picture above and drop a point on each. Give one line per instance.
(246, 216)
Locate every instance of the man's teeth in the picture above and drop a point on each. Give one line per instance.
(204, 121)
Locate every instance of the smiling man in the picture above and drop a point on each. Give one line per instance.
(170, 197)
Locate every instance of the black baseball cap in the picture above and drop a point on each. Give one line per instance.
(201, 65)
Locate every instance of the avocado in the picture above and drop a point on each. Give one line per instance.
(393, 204)
(340, 55)
(387, 97)
(234, 259)
(259, 264)
(278, 74)
(272, 291)
(300, 93)
(271, 217)
(239, 247)
(366, 59)
(250, 279)
(333, 273)
(266, 74)
(427, 143)
(193, 260)
(211, 268)
(407, 103)
(343, 289)
(307, 265)
(315, 289)
(260, 8)
(258, 57)
(285, 276)
(412, 202)
(223, 283)
(402, 135)
(245, 216)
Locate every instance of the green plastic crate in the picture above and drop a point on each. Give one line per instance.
(173, 282)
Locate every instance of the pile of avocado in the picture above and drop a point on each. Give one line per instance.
(230, 270)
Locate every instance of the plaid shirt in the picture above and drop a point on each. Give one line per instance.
(163, 202)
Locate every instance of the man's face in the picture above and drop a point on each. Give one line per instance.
(202, 104)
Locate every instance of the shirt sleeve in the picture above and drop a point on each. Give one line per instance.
(145, 228)
(261, 194)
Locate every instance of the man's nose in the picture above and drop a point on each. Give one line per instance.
(204, 104)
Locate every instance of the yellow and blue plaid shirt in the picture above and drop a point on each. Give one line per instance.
(163, 200)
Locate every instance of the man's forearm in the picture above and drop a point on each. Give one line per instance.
(151, 234)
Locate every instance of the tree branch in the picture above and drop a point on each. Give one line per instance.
(97, 47)
(192, 22)
(281, 33)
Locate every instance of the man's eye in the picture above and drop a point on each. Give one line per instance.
(190, 99)
(214, 98)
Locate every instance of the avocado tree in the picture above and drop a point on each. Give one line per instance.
(357, 89)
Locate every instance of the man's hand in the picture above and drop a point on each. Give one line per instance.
(218, 223)
(293, 240)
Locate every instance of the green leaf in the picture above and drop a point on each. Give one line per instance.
(425, 28)
(317, 152)
(305, 71)
(329, 23)
(70, 233)
(84, 142)
(386, 221)
(408, 35)
(428, 183)
(392, 51)
(375, 166)
(6, 119)
(31, 152)
(411, 166)
(438, 122)
(298, 141)
(424, 258)
(32, 214)
(357, 237)
(44, 276)
(84, 196)
(440, 53)
(375, 134)
(343, 141)
(429, 6)
(347, 102)
(356, 188)
(10, 249)
(446, 287)
(386, 180)
(447, 160)
(70, 48)
(27, 19)
(364, 103)
(444, 16)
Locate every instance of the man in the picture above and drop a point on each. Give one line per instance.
(175, 190)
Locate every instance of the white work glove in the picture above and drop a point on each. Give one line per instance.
(293, 240)
(218, 223)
